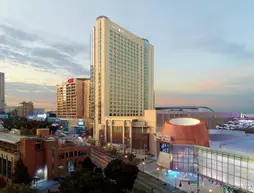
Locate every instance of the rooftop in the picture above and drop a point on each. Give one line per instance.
(184, 121)
(237, 142)
(10, 138)
(187, 108)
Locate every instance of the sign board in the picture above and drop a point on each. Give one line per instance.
(3, 116)
(53, 119)
(81, 122)
(71, 80)
(163, 137)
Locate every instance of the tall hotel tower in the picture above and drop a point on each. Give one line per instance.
(122, 73)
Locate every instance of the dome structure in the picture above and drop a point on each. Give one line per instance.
(186, 130)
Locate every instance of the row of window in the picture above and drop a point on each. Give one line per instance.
(6, 167)
(72, 154)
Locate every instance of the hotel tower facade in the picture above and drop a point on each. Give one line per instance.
(122, 73)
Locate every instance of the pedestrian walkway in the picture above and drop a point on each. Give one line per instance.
(43, 185)
(175, 179)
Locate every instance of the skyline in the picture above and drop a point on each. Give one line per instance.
(213, 44)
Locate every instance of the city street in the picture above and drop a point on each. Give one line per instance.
(147, 183)
(173, 178)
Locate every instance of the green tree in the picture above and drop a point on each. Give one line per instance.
(17, 188)
(88, 164)
(21, 175)
(124, 174)
(89, 182)
(130, 157)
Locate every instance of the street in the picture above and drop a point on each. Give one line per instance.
(174, 179)
(147, 183)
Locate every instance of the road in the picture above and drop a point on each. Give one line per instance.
(175, 178)
(99, 157)
(147, 183)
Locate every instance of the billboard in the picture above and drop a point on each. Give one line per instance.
(3, 116)
(53, 119)
(81, 122)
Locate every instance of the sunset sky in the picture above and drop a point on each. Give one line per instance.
(204, 50)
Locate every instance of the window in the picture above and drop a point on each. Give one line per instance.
(70, 154)
(9, 170)
(61, 156)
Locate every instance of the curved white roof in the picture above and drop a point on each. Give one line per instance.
(184, 121)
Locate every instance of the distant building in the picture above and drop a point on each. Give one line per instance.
(73, 99)
(2, 92)
(25, 109)
(9, 109)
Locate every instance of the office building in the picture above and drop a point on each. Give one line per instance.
(73, 99)
(2, 92)
(122, 73)
(37, 153)
(25, 109)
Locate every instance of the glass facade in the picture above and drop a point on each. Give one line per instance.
(146, 77)
(233, 170)
(92, 107)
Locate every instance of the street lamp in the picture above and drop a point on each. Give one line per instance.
(143, 166)
(175, 181)
(210, 191)
(158, 170)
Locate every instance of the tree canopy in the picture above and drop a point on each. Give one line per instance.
(88, 164)
(21, 175)
(89, 182)
(17, 188)
(122, 173)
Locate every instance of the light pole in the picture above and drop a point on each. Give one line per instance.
(175, 181)
(143, 166)
(145, 149)
(158, 170)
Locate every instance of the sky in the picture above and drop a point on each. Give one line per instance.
(203, 50)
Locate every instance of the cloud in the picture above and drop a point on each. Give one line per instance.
(17, 92)
(34, 63)
(223, 47)
(34, 51)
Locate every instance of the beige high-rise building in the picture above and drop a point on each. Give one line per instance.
(122, 73)
(73, 99)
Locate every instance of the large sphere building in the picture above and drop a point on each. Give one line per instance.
(186, 130)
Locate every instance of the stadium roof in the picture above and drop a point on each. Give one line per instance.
(185, 108)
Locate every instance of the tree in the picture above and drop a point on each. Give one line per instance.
(89, 182)
(130, 157)
(21, 175)
(17, 188)
(91, 141)
(122, 173)
(88, 164)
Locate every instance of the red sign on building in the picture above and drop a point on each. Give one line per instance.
(71, 80)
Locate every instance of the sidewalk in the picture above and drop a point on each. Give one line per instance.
(173, 178)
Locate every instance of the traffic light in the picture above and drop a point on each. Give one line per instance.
(180, 185)
(189, 182)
